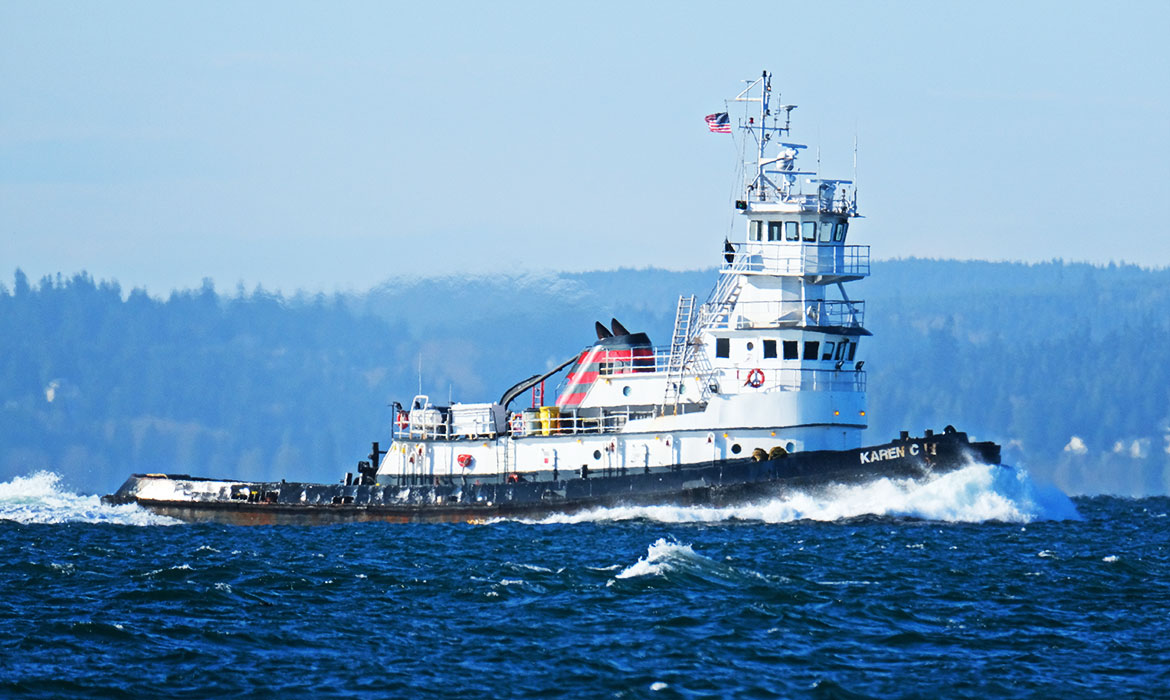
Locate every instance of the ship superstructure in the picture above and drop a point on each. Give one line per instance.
(769, 362)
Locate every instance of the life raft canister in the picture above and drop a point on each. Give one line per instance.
(755, 378)
(465, 460)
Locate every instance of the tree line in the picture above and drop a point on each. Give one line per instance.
(1062, 363)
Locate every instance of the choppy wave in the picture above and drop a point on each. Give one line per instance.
(661, 557)
(40, 499)
(977, 493)
(803, 610)
(670, 559)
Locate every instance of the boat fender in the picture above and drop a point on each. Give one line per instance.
(758, 455)
(777, 452)
(465, 460)
(755, 378)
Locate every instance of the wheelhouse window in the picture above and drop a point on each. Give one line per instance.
(828, 352)
(852, 351)
(791, 350)
(769, 349)
(811, 349)
(722, 347)
(841, 348)
(826, 231)
(754, 230)
(809, 229)
(774, 230)
(791, 231)
(839, 230)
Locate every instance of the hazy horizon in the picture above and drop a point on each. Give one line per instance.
(304, 146)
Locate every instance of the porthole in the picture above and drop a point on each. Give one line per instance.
(625, 391)
(751, 345)
(736, 449)
(596, 454)
(790, 447)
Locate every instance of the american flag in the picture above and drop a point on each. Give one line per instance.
(719, 122)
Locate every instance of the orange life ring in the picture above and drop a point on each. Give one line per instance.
(755, 378)
(464, 460)
(402, 419)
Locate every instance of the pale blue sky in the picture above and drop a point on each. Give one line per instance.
(333, 145)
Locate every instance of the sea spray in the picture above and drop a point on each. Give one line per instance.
(39, 498)
(976, 493)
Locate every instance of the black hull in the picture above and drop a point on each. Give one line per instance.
(708, 484)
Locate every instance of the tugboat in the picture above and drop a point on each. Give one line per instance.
(761, 391)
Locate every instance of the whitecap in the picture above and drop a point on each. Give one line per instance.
(532, 567)
(1110, 559)
(39, 499)
(661, 557)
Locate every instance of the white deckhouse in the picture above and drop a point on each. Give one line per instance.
(770, 360)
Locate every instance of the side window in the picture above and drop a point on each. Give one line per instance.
(769, 349)
(839, 229)
(809, 228)
(754, 230)
(826, 231)
(841, 349)
(774, 230)
(791, 350)
(828, 352)
(852, 351)
(722, 347)
(791, 231)
(811, 349)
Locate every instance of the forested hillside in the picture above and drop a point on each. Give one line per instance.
(1062, 363)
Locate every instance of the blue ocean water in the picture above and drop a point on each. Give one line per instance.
(978, 584)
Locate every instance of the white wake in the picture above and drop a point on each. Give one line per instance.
(40, 499)
(977, 493)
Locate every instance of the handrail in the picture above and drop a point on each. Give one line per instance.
(814, 380)
(779, 314)
(776, 258)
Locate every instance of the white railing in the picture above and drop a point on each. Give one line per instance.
(570, 422)
(779, 314)
(798, 259)
(812, 380)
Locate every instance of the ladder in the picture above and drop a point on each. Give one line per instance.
(682, 332)
(687, 326)
(679, 344)
(717, 308)
(502, 466)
